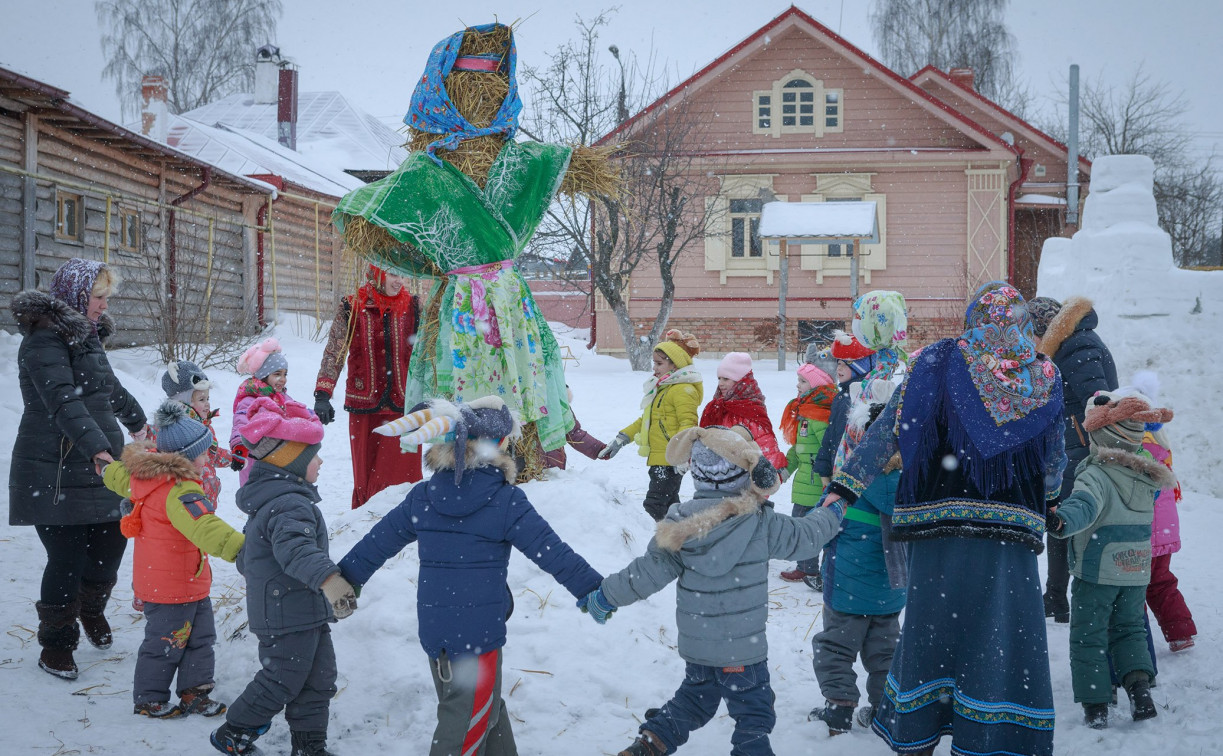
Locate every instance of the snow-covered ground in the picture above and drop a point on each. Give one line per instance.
(572, 687)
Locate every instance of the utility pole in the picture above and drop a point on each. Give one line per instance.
(1072, 152)
(622, 103)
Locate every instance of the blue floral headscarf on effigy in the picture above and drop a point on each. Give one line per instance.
(434, 112)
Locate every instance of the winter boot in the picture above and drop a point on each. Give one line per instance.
(58, 635)
(1095, 715)
(1057, 607)
(864, 716)
(1138, 686)
(646, 744)
(793, 576)
(309, 743)
(814, 581)
(159, 710)
(838, 717)
(236, 740)
(196, 701)
(94, 597)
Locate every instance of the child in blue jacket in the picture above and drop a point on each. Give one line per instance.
(862, 596)
(466, 517)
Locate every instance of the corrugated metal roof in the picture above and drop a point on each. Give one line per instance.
(245, 153)
(328, 128)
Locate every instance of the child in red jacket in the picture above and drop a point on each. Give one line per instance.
(739, 401)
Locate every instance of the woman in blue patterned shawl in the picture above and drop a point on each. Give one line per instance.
(978, 425)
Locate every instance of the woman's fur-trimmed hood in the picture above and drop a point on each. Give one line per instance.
(34, 309)
(671, 534)
(1158, 472)
(1074, 309)
(480, 453)
(146, 464)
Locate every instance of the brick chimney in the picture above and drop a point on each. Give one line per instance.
(154, 112)
(963, 77)
(286, 108)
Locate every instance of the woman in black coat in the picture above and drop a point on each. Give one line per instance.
(68, 433)
(1067, 333)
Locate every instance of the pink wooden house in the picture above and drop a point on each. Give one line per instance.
(966, 192)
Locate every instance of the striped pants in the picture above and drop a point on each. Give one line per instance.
(471, 715)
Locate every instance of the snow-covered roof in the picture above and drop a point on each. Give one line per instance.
(818, 220)
(330, 129)
(246, 153)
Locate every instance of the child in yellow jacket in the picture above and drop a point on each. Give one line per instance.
(175, 528)
(672, 396)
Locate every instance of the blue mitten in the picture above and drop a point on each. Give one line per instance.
(597, 606)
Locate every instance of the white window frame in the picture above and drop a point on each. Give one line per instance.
(719, 245)
(773, 100)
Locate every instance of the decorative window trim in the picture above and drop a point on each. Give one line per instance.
(872, 257)
(827, 107)
(129, 237)
(719, 245)
(69, 216)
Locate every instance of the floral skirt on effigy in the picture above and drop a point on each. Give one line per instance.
(973, 659)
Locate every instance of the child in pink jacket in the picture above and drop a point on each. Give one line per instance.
(1163, 595)
(268, 369)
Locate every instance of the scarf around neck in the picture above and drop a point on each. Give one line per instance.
(744, 401)
(433, 111)
(816, 405)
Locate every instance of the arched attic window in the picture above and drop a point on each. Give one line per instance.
(798, 103)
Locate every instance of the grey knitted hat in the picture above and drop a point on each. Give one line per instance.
(274, 361)
(182, 378)
(178, 432)
(711, 472)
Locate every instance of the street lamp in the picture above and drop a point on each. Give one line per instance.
(621, 106)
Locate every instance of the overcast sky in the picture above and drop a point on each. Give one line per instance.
(373, 51)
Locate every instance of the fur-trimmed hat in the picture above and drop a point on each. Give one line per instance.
(183, 378)
(263, 359)
(723, 459)
(178, 432)
(439, 422)
(679, 347)
(1116, 419)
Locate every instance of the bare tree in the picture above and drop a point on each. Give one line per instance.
(660, 211)
(913, 34)
(1145, 116)
(205, 49)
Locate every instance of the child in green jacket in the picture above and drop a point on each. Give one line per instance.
(1108, 518)
(803, 424)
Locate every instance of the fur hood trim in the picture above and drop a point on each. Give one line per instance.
(1074, 309)
(34, 309)
(480, 453)
(145, 464)
(670, 535)
(1156, 471)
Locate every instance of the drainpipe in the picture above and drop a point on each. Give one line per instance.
(1072, 153)
(1012, 192)
(260, 221)
(172, 243)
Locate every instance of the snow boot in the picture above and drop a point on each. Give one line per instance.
(793, 576)
(814, 581)
(94, 597)
(58, 635)
(1057, 607)
(309, 743)
(1138, 686)
(236, 740)
(159, 710)
(196, 701)
(864, 716)
(1095, 715)
(838, 717)
(646, 744)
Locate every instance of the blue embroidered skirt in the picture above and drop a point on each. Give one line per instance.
(973, 660)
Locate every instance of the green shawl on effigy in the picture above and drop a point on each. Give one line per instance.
(489, 337)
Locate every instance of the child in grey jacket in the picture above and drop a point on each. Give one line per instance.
(718, 546)
(1108, 519)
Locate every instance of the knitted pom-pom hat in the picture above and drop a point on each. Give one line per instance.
(178, 432)
(815, 376)
(679, 347)
(263, 359)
